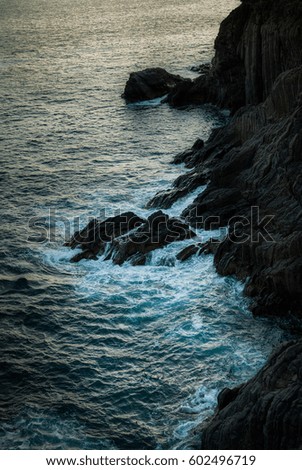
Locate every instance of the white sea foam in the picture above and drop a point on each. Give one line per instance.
(109, 352)
(153, 103)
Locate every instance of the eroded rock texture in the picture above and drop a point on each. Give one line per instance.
(127, 237)
(255, 187)
(264, 413)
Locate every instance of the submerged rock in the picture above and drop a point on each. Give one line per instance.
(150, 83)
(264, 413)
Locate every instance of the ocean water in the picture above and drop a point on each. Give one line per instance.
(96, 356)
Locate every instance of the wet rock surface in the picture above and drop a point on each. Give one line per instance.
(252, 170)
(158, 231)
(209, 247)
(265, 412)
(94, 237)
(128, 237)
(150, 83)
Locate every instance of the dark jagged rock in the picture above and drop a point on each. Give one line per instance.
(267, 176)
(87, 254)
(201, 213)
(150, 83)
(139, 259)
(158, 231)
(209, 247)
(94, 237)
(264, 413)
(183, 157)
(128, 237)
(256, 43)
(181, 187)
(252, 168)
(189, 251)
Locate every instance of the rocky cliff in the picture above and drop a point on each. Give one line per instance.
(253, 166)
(264, 413)
(256, 43)
(253, 171)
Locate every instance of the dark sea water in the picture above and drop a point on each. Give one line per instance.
(96, 356)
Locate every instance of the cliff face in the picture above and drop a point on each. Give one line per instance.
(253, 166)
(253, 171)
(262, 39)
(256, 43)
(264, 413)
(266, 172)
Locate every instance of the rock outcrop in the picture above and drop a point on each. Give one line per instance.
(98, 233)
(251, 170)
(252, 167)
(127, 237)
(158, 231)
(264, 413)
(256, 43)
(151, 83)
(209, 247)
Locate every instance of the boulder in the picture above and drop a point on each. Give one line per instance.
(128, 237)
(189, 251)
(150, 83)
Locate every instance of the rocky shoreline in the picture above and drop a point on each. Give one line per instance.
(253, 171)
(265, 412)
